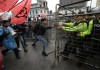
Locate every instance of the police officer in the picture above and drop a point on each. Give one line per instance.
(77, 27)
(96, 34)
(93, 33)
(68, 45)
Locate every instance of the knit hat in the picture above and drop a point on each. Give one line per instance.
(5, 21)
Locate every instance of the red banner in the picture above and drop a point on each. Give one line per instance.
(1, 1)
(20, 18)
(6, 5)
(16, 10)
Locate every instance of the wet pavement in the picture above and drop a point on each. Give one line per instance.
(33, 60)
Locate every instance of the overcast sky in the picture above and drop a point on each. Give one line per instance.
(52, 3)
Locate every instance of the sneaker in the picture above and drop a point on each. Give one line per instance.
(65, 58)
(10, 51)
(18, 57)
(4, 53)
(26, 45)
(44, 54)
(62, 53)
(19, 49)
(33, 45)
(25, 50)
(79, 64)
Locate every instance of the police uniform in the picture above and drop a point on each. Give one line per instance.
(78, 41)
(92, 37)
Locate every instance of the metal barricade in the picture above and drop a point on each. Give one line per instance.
(71, 47)
(82, 50)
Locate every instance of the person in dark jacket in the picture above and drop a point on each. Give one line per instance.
(15, 27)
(22, 29)
(40, 34)
(20, 37)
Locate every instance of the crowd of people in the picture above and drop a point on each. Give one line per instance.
(11, 36)
(84, 27)
(84, 35)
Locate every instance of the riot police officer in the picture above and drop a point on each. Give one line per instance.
(78, 27)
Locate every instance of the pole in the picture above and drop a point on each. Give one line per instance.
(90, 5)
(57, 35)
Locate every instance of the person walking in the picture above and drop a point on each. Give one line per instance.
(20, 37)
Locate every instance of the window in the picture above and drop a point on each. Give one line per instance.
(33, 12)
(40, 5)
(36, 11)
(30, 12)
(44, 4)
(41, 11)
(44, 11)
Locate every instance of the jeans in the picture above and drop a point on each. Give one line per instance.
(14, 50)
(42, 39)
(23, 37)
(17, 41)
(23, 41)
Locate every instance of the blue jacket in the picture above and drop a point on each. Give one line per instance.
(9, 40)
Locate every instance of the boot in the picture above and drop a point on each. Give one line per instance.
(16, 51)
(44, 54)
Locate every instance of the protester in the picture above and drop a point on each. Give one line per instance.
(23, 30)
(40, 30)
(8, 40)
(20, 37)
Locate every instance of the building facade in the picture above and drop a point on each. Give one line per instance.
(98, 3)
(75, 8)
(66, 2)
(39, 8)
